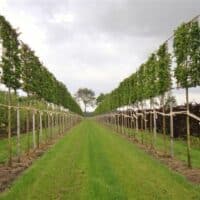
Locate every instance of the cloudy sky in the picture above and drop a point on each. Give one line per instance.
(96, 43)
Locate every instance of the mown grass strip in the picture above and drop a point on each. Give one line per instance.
(92, 162)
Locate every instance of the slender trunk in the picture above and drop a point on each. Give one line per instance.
(164, 127)
(33, 129)
(9, 130)
(171, 131)
(40, 135)
(136, 123)
(121, 123)
(49, 127)
(154, 127)
(63, 122)
(142, 128)
(188, 130)
(18, 133)
(27, 131)
(145, 126)
(150, 124)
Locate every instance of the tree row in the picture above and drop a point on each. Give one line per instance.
(154, 77)
(22, 69)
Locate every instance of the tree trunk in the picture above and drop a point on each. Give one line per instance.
(164, 126)
(33, 129)
(188, 130)
(142, 125)
(40, 135)
(150, 123)
(18, 134)
(27, 131)
(136, 123)
(9, 130)
(154, 127)
(171, 131)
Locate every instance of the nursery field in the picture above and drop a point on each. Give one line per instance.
(92, 162)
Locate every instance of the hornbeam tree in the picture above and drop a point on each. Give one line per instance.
(164, 78)
(11, 67)
(187, 52)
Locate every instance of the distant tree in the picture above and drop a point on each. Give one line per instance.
(86, 96)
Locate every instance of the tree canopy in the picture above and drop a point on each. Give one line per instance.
(22, 69)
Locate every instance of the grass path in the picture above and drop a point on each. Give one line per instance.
(93, 163)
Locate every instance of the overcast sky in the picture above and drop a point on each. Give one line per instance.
(96, 43)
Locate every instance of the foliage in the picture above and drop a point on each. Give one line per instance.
(22, 69)
(154, 77)
(10, 58)
(100, 98)
(187, 52)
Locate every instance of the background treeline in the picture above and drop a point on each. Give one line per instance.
(22, 69)
(155, 77)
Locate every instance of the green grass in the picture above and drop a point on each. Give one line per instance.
(46, 134)
(180, 146)
(94, 163)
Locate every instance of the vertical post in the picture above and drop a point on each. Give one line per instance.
(40, 135)
(51, 126)
(150, 123)
(33, 129)
(27, 131)
(171, 131)
(136, 123)
(145, 126)
(9, 130)
(142, 128)
(122, 122)
(18, 133)
(154, 127)
(63, 121)
(188, 130)
(164, 126)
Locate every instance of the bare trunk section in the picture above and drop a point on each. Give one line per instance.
(40, 133)
(154, 127)
(171, 131)
(18, 134)
(33, 130)
(188, 130)
(164, 125)
(9, 130)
